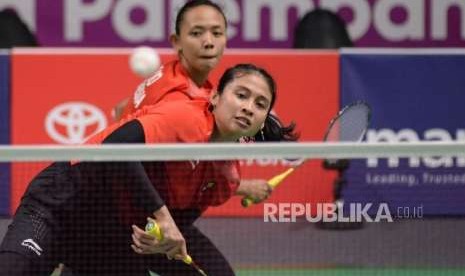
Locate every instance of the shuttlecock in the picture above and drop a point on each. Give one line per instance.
(144, 61)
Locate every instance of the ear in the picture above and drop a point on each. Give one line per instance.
(174, 39)
(214, 98)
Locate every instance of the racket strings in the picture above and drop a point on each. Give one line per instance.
(350, 125)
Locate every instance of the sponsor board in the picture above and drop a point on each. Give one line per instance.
(251, 24)
(414, 97)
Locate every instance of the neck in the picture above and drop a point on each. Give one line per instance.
(198, 77)
(217, 137)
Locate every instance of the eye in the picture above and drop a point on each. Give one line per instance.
(218, 34)
(195, 33)
(241, 95)
(261, 105)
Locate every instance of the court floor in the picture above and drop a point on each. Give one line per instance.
(427, 247)
(353, 272)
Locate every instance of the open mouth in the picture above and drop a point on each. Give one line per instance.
(208, 57)
(243, 122)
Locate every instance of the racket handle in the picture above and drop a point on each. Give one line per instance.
(273, 183)
(153, 229)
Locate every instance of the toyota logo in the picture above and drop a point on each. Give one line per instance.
(73, 122)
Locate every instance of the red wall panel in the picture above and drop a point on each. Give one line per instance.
(43, 79)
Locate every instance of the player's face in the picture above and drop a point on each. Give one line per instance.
(242, 108)
(201, 40)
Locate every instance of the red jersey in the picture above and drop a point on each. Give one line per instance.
(187, 184)
(171, 82)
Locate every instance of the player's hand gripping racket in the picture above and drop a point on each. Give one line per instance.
(153, 229)
(349, 125)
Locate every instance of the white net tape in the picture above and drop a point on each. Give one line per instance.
(228, 151)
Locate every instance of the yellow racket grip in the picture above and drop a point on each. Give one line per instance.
(153, 229)
(273, 183)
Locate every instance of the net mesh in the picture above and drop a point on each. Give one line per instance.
(401, 209)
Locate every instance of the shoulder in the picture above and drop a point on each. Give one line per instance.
(167, 79)
(179, 121)
(168, 74)
(185, 113)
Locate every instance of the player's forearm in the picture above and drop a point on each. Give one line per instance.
(123, 176)
(242, 189)
(133, 175)
(143, 193)
(163, 214)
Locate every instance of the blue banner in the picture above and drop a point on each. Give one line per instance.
(4, 130)
(413, 97)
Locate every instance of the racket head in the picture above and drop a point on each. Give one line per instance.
(350, 124)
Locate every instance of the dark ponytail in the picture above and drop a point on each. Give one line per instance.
(274, 131)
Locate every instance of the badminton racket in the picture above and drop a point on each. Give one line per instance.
(349, 125)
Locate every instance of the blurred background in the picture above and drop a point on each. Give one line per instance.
(252, 24)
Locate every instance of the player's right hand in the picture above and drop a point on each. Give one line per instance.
(171, 243)
(144, 243)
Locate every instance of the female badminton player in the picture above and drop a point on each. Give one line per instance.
(88, 215)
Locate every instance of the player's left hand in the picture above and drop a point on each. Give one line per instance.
(257, 189)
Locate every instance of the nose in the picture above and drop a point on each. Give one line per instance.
(247, 108)
(208, 41)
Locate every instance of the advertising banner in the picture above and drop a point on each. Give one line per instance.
(4, 129)
(71, 93)
(415, 96)
(251, 24)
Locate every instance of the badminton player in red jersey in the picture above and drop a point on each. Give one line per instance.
(199, 40)
(77, 215)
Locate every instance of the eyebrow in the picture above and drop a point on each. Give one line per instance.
(260, 97)
(206, 27)
(243, 87)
